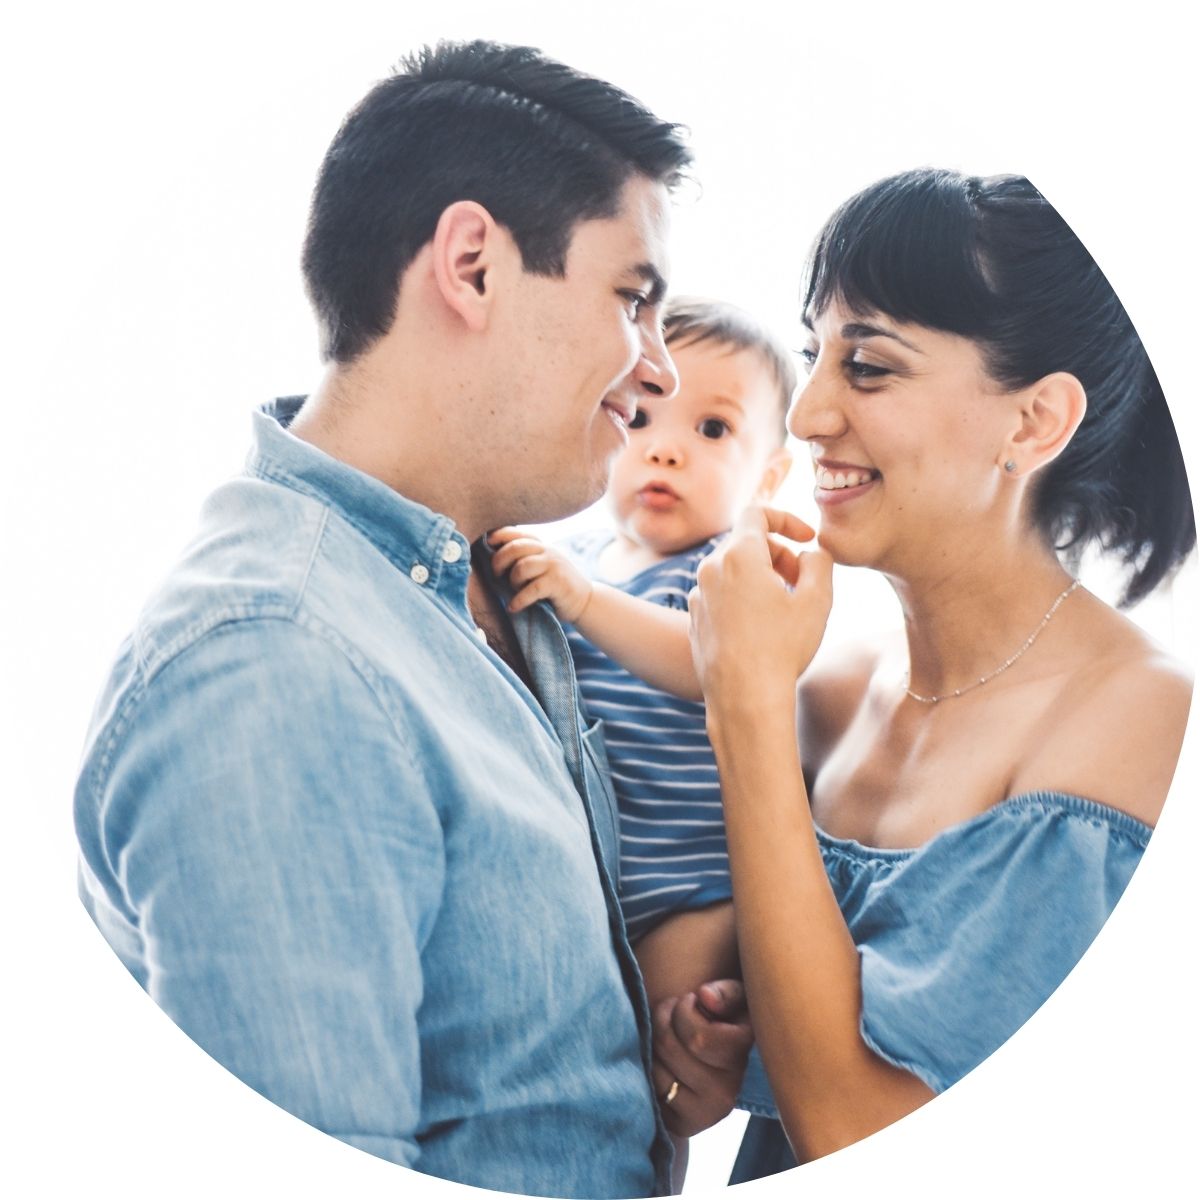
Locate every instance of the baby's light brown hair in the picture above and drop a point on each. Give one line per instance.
(691, 319)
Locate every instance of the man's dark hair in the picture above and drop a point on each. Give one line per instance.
(540, 145)
(691, 319)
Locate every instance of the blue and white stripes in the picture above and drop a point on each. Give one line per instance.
(673, 853)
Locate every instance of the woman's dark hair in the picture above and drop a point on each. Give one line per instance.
(540, 145)
(990, 259)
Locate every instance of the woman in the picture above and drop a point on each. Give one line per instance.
(966, 804)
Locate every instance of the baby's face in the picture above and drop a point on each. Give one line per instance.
(695, 461)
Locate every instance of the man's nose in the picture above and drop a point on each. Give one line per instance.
(655, 372)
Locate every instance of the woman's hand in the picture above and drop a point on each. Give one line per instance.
(759, 609)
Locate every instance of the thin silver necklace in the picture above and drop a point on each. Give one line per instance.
(1008, 662)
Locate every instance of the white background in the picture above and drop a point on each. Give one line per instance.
(157, 171)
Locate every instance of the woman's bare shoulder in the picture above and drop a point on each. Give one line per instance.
(832, 690)
(1116, 727)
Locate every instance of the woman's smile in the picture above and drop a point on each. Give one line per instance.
(837, 483)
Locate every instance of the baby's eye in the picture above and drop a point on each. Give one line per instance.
(640, 419)
(712, 427)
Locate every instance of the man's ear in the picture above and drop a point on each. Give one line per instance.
(1050, 412)
(465, 245)
(777, 468)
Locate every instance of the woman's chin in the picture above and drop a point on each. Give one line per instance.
(841, 548)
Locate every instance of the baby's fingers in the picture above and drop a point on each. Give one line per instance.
(525, 570)
(533, 591)
(514, 551)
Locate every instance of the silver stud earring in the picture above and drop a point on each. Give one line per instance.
(1010, 466)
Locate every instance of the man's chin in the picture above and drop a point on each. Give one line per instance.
(561, 504)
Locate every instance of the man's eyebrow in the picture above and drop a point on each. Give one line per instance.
(651, 275)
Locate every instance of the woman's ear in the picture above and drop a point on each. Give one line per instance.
(465, 245)
(775, 472)
(1050, 411)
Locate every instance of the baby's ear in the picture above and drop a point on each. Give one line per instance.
(775, 472)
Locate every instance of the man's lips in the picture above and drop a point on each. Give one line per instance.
(620, 411)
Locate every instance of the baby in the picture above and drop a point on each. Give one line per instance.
(692, 464)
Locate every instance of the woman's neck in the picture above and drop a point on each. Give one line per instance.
(968, 617)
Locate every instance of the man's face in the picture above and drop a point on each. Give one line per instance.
(579, 354)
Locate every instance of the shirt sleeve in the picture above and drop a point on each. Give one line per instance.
(962, 946)
(280, 857)
(961, 942)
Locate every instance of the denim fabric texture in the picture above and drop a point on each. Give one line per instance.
(962, 939)
(355, 858)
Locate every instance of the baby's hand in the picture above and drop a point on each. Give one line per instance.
(538, 573)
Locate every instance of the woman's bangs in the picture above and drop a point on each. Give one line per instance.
(904, 248)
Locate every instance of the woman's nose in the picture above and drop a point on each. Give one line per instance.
(816, 411)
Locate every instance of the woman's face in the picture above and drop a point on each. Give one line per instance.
(907, 434)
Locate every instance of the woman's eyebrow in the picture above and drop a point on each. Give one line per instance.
(857, 329)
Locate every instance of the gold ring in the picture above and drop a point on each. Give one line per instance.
(672, 1092)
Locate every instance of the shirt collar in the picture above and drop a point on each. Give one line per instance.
(425, 545)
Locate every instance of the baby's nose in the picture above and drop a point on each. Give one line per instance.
(664, 454)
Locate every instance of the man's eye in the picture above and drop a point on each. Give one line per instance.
(808, 357)
(712, 427)
(636, 302)
(639, 419)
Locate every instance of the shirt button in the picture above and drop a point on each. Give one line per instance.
(419, 573)
(451, 551)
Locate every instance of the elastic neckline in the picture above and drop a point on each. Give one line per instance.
(1049, 801)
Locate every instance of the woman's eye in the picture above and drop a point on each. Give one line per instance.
(808, 357)
(712, 427)
(640, 419)
(863, 370)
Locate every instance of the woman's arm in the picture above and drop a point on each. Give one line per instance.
(752, 639)
(646, 639)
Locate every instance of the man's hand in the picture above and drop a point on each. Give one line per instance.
(701, 1042)
(538, 573)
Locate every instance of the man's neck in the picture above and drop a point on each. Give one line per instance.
(370, 424)
(488, 613)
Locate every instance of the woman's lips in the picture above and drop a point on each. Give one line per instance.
(837, 484)
(828, 497)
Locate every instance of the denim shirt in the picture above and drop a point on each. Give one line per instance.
(962, 939)
(351, 854)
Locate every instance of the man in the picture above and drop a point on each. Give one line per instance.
(338, 813)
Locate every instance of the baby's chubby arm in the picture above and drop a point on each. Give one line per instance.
(646, 639)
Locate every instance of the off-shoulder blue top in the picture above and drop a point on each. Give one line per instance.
(961, 939)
